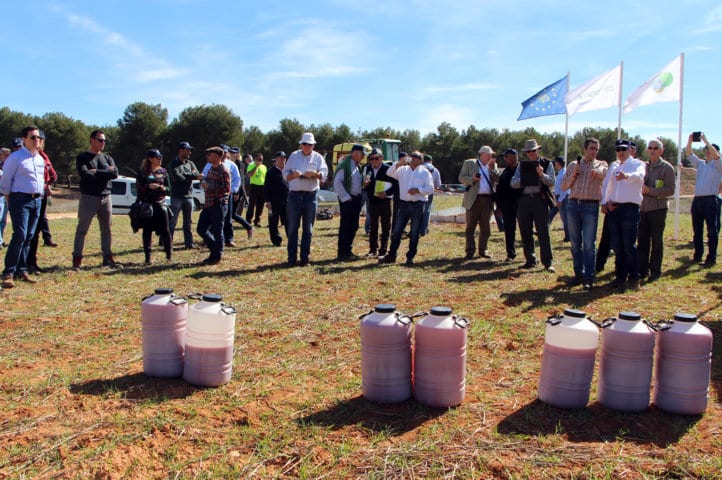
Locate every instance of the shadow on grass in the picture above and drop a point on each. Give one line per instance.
(392, 419)
(137, 386)
(714, 281)
(598, 424)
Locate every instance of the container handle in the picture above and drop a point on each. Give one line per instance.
(365, 314)
(178, 300)
(554, 321)
(461, 322)
(598, 324)
(195, 296)
(663, 325)
(417, 315)
(146, 298)
(655, 328)
(403, 319)
(607, 322)
(228, 309)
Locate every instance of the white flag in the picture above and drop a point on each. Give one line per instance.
(598, 93)
(665, 86)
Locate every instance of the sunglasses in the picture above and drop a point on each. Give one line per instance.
(306, 144)
(35, 137)
(620, 149)
(653, 148)
(101, 140)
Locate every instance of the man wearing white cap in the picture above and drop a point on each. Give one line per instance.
(479, 175)
(304, 171)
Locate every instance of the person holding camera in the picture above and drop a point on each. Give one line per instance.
(706, 202)
(479, 175)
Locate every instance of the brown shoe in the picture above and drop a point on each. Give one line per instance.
(8, 281)
(25, 277)
(231, 244)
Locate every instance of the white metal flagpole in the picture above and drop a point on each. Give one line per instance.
(678, 181)
(619, 119)
(566, 127)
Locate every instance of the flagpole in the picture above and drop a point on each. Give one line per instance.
(678, 181)
(566, 126)
(619, 102)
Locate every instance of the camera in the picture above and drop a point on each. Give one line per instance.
(696, 136)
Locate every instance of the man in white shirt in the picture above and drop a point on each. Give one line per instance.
(622, 198)
(479, 176)
(415, 185)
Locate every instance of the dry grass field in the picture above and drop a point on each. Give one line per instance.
(75, 403)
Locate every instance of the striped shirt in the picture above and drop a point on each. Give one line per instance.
(585, 186)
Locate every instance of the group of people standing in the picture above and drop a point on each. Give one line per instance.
(632, 194)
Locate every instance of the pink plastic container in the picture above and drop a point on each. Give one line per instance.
(683, 366)
(625, 365)
(440, 359)
(163, 317)
(570, 345)
(209, 342)
(386, 355)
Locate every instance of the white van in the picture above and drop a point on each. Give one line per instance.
(123, 193)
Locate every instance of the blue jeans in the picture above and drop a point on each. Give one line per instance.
(706, 210)
(582, 219)
(427, 215)
(3, 216)
(210, 228)
(300, 210)
(186, 206)
(24, 213)
(408, 212)
(623, 230)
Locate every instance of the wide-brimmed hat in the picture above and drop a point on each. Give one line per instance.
(217, 150)
(486, 149)
(308, 138)
(531, 145)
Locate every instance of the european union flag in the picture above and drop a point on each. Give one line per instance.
(548, 101)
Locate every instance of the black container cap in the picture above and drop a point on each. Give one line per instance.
(163, 291)
(633, 316)
(385, 308)
(212, 297)
(441, 311)
(572, 312)
(685, 317)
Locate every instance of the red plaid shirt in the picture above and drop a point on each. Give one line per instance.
(219, 186)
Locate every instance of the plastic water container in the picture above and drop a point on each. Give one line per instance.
(440, 359)
(570, 345)
(163, 317)
(683, 365)
(209, 342)
(625, 365)
(386, 355)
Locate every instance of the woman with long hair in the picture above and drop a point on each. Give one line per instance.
(153, 186)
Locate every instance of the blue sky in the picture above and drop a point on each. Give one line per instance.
(371, 63)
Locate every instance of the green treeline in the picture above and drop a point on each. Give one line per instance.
(145, 126)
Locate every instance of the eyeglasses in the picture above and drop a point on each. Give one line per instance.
(620, 149)
(35, 137)
(101, 140)
(653, 148)
(374, 158)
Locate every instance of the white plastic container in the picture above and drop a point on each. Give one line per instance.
(683, 366)
(386, 355)
(440, 359)
(209, 342)
(625, 364)
(163, 318)
(570, 345)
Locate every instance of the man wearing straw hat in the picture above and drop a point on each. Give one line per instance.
(535, 176)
